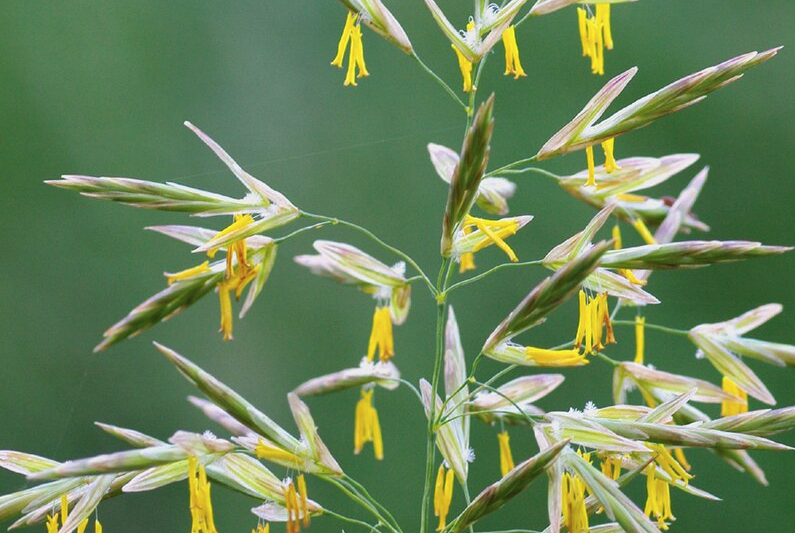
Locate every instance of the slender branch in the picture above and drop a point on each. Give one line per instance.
(361, 489)
(606, 359)
(372, 236)
(665, 329)
(343, 518)
(357, 498)
(509, 166)
(526, 170)
(487, 273)
(439, 80)
(301, 230)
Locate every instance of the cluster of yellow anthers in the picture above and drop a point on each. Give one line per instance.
(575, 515)
(201, 507)
(594, 331)
(512, 63)
(236, 279)
(658, 500)
(367, 427)
(495, 231)
(52, 520)
(295, 498)
(443, 495)
(506, 458)
(644, 232)
(595, 35)
(610, 161)
(352, 32)
(729, 407)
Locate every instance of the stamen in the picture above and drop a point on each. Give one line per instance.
(367, 428)
(506, 458)
(575, 515)
(443, 495)
(610, 160)
(488, 227)
(343, 44)
(591, 181)
(466, 69)
(640, 321)
(512, 63)
(543, 357)
(276, 455)
(730, 407)
(644, 232)
(381, 337)
(188, 273)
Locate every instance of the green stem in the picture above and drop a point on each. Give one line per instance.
(473, 93)
(301, 230)
(526, 170)
(439, 80)
(673, 331)
(372, 236)
(360, 488)
(429, 447)
(344, 518)
(510, 166)
(607, 359)
(357, 498)
(487, 273)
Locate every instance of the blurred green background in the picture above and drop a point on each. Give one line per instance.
(101, 87)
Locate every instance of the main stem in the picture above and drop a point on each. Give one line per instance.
(430, 451)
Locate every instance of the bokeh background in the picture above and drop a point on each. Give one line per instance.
(101, 87)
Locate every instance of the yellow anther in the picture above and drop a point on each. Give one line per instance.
(658, 499)
(277, 455)
(506, 458)
(595, 35)
(367, 428)
(591, 181)
(543, 357)
(643, 231)
(351, 33)
(610, 161)
(201, 507)
(640, 343)
(611, 466)
(495, 231)
(188, 273)
(512, 63)
(575, 515)
(443, 495)
(466, 69)
(594, 315)
(381, 336)
(733, 407)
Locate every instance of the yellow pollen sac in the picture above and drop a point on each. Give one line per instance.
(294, 509)
(594, 323)
(495, 231)
(544, 357)
(97, 526)
(367, 428)
(351, 33)
(591, 181)
(729, 407)
(64, 509)
(237, 248)
(467, 262)
(381, 336)
(236, 283)
(611, 467)
(658, 499)
(679, 453)
(277, 455)
(640, 342)
(188, 273)
(466, 69)
(201, 507)
(81, 527)
(643, 231)
(617, 237)
(665, 460)
(575, 515)
(595, 35)
(443, 495)
(512, 63)
(610, 160)
(506, 458)
(262, 529)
